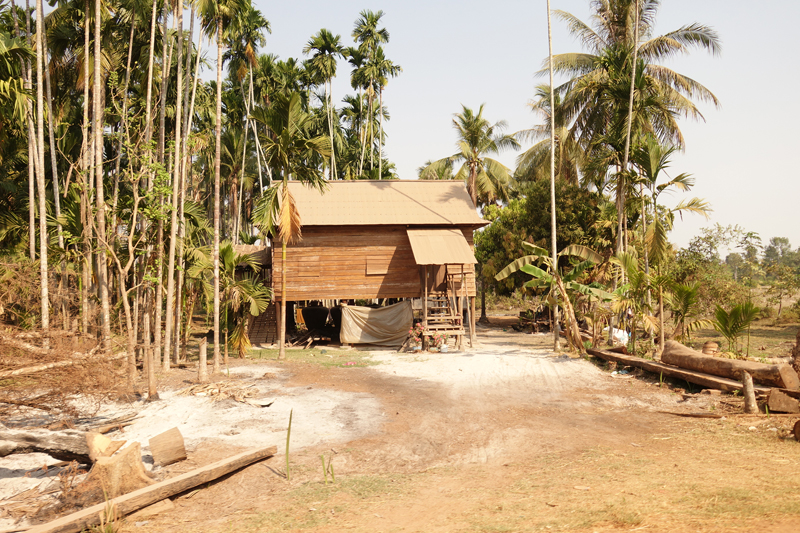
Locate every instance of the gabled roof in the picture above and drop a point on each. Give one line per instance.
(386, 202)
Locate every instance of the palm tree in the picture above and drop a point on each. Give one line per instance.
(652, 159)
(487, 179)
(326, 47)
(379, 68)
(292, 151)
(603, 97)
(243, 296)
(684, 301)
(369, 38)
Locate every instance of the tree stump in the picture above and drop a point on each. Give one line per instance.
(120, 474)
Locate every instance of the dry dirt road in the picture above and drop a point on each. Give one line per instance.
(506, 436)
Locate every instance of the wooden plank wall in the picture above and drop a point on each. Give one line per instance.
(351, 262)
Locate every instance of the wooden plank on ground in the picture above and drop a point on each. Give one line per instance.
(136, 500)
(692, 376)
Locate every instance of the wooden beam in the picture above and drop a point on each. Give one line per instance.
(692, 376)
(128, 503)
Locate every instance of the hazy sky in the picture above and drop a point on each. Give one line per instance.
(470, 52)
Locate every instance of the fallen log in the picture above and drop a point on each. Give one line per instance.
(81, 359)
(129, 503)
(66, 445)
(781, 376)
(698, 378)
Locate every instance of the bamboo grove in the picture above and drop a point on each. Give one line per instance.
(128, 179)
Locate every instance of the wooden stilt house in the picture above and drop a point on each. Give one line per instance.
(381, 239)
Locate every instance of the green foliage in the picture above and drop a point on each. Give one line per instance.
(732, 323)
(527, 219)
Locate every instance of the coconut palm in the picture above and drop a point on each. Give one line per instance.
(487, 179)
(292, 151)
(606, 101)
(534, 163)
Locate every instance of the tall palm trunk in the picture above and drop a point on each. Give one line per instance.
(329, 95)
(553, 246)
(165, 67)
(102, 269)
(380, 134)
(40, 177)
(56, 191)
(172, 310)
(149, 353)
(621, 245)
(362, 132)
(218, 153)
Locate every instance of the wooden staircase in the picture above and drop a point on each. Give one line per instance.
(443, 310)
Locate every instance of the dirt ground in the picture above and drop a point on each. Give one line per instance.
(505, 436)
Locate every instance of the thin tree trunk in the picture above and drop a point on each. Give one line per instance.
(40, 175)
(102, 270)
(218, 153)
(85, 181)
(282, 329)
(32, 158)
(172, 311)
(124, 134)
(553, 246)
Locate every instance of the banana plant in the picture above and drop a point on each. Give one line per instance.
(558, 285)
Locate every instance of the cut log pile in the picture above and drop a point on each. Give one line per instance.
(729, 375)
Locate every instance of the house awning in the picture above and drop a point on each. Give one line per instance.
(440, 247)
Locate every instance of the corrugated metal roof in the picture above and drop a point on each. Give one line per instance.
(386, 202)
(440, 247)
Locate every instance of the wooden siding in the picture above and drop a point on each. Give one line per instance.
(352, 262)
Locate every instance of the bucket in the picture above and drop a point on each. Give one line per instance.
(444, 348)
(710, 348)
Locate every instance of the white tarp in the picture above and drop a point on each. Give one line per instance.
(386, 326)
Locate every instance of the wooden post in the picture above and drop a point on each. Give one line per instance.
(425, 307)
(750, 406)
(202, 371)
(471, 321)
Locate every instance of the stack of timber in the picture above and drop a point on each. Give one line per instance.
(692, 376)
